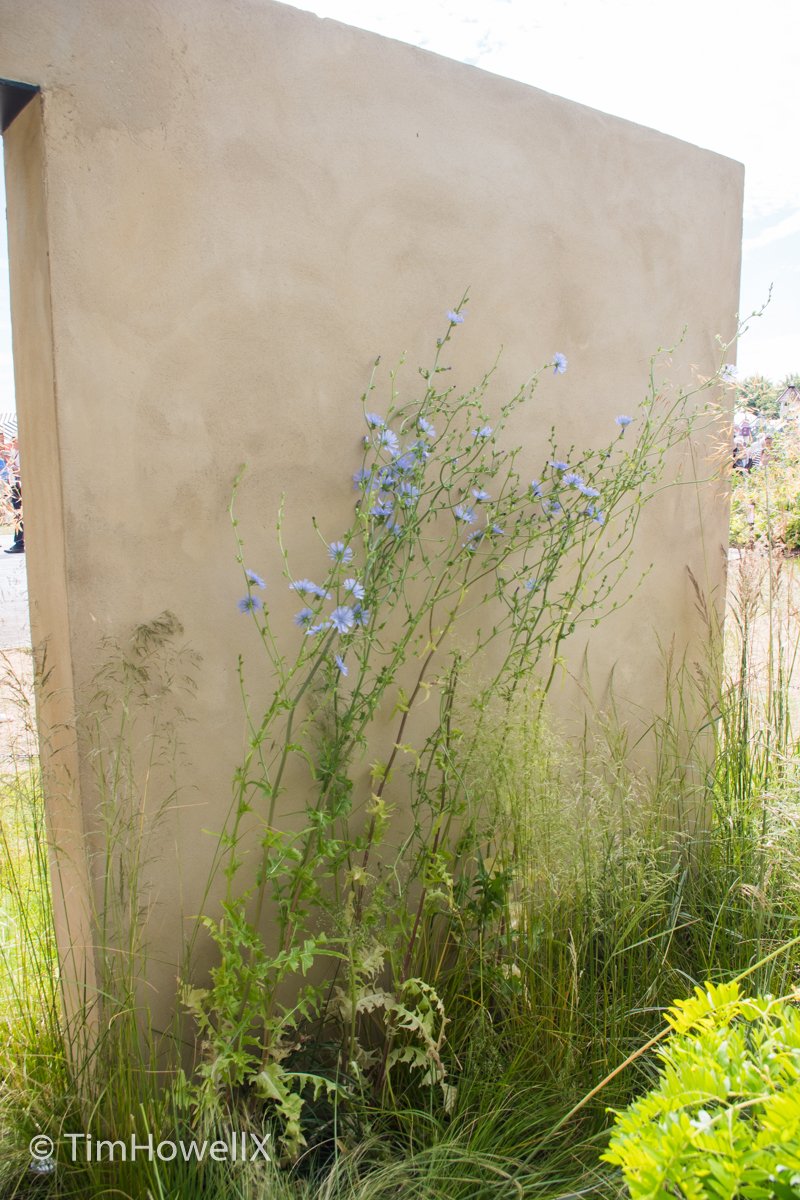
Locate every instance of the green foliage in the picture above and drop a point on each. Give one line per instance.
(585, 898)
(791, 534)
(87, 1066)
(723, 1120)
(759, 395)
(450, 555)
(466, 939)
(766, 500)
(27, 946)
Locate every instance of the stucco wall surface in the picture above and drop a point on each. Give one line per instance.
(242, 206)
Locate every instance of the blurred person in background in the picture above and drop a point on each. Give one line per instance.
(18, 544)
(6, 480)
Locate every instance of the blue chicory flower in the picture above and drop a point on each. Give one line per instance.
(304, 618)
(374, 420)
(305, 587)
(407, 462)
(481, 434)
(464, 513)
(426, 427)
(390, 441)
(454, 317)
(256, 580)
(250, 604)
(622, 421)
(342, 619)
(340, 553)
(572, 479)
(407, 493)
(559, 364)
(341, 664)
(480, 495)
(354, 588)
(536, 489)
(558, 465)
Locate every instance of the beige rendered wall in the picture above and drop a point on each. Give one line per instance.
(242, 205)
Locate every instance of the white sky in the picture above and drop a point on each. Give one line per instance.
(720, 73)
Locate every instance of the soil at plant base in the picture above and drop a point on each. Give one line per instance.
(17, 726)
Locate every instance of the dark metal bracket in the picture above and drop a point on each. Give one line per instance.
(13, 98)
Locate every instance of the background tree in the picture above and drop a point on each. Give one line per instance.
(758, 394)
